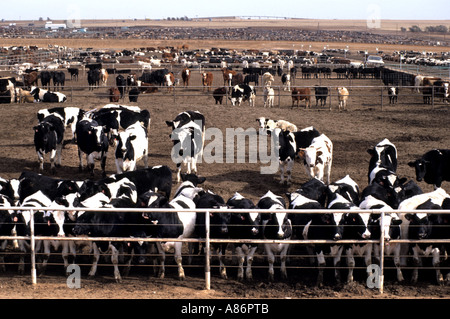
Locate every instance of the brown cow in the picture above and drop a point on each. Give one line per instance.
(299, 94)
(186, 75)
(30, 79)
(218, 94)
(207, 80)
(114, 94)
(148, 88)
(227, 76)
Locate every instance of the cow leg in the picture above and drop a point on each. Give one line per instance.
(283, 257)
(45, 256)
(178, 172)
(250, 253)
(436, 262)
(103, 165)
(336, 252)
(350, 264)
(115, 262)
(3, 245)
(221, 254)
(241, 259)
(397, 262)
(119, 165)
(80, 157)
(416, 263)
(321, 265)
(271, 261)
(40, 161)
(58, 154)
(162, 259)
(282, 167)
(179, 260)
(95, 258)
(290, 165)
(52, 161)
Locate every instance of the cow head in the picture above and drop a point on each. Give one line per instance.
(42, 132)
(420, 167)
(354, 226)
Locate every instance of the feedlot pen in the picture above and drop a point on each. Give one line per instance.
(410, 125)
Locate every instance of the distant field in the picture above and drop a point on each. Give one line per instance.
(386, 27)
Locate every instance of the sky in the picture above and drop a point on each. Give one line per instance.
(141, 9)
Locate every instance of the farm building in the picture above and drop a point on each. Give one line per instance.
(54, 26)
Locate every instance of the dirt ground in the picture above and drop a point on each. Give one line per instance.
(412, 126)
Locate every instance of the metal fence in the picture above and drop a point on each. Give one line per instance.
(208, 240)
(378, 95)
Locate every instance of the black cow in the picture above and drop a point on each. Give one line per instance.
(134, 94)
(93, 78)
(218, 94)
(347, 188)
(245, 225)
(92, 140)
(251, 78)
(10, 188)
(46, 78)
(48, 138)
(433, 167)
(218, 224)
(428, 226)
(321, 95)
(59, 79)
(121, 83)
(31, 182)
(154, 77)
(73, 73)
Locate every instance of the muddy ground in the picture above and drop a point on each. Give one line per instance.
(412, 126)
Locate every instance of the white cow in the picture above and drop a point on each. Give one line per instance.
(342, 97)
(269, 96)
(318, 158)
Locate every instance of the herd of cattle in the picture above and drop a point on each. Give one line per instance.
(238, 86)
(126, 128)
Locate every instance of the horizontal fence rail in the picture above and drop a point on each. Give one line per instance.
(208, 240)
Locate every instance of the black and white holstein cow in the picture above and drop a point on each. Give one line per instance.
(391, 230)
(318, 158)
(218, 224)
(433, 167)
(132, 146)
(393, 94)
(188, 136)
(286, 153)
(6, 227)
(351, 226)
(426, 226)
(70, 115)
(92, 140)
(48, 138)
(383, 163)
(241, 93)
(179, 225)
(114, 117)
(41, 95)
(275, 226)
(245, 225)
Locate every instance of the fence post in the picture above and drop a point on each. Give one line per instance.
(381, 253)
(33, 252)
(207, 254)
